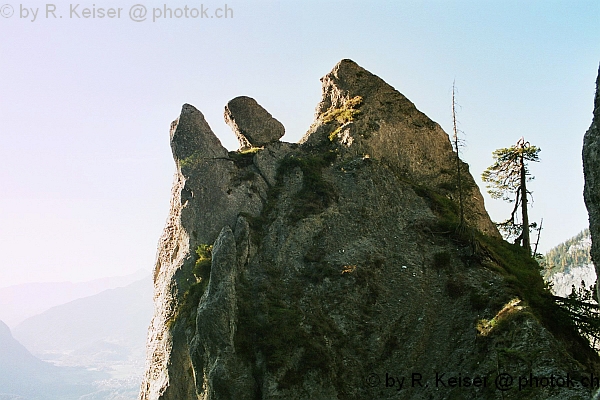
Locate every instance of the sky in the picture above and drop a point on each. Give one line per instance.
(86, 103)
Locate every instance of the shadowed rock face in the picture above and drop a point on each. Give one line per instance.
(591, 172)
(251, 123)
(335, 262)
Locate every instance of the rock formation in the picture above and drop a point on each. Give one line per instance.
(367, 117)
(591, 172)
(252, 124)
(338, 268)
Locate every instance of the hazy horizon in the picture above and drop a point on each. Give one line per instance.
(87, 102)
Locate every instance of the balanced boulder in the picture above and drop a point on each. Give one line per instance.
(252, 124)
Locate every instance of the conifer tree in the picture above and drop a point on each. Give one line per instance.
(507, 179)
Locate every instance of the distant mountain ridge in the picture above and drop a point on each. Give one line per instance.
(19, 302)
(570, 263)
(105, 332)
(110, 324)
(23, 376)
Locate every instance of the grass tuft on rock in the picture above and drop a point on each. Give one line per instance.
(342, 115)
(191, 297)
(520, 271)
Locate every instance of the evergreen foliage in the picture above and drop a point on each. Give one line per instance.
(507, 179)
(583, 310)
(581, 305)
(572, 253)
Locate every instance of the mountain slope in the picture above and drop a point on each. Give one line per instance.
(569, 264)
(19, 302)
(22, 374)
(99, 331)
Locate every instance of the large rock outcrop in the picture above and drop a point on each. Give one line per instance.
(591, 172)
(368, 117)
(338, 268)
(209, 192)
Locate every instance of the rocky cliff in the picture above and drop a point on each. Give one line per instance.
(591, 172)
(337, 268)
(569, 263)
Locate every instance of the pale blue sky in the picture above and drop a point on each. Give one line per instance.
(85, 106)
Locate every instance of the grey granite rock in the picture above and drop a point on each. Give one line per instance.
(190, 134)
(214, 358)
(252, 124)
